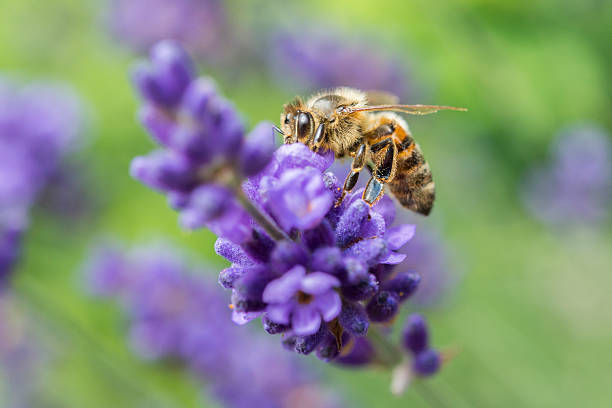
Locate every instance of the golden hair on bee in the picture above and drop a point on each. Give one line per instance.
(361, 124)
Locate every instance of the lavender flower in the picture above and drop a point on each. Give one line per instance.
(205, 151)
(177, 315)
(320, 58)
(39, 124)
(575, 187)
(422, 360)
(10, 242)
(320, 274)
(23, 358)
(199, 24)
(302, 300)
(426, 361)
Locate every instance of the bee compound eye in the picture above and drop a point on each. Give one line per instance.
(304, 125)
(288, 118)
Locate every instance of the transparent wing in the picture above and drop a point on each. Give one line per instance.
(378, 97)
(410, 109)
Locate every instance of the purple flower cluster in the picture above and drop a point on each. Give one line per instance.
(177, 315)
(319, 273)
(575, 187)
(335, 276)
(326, 59)
(39, 123)
(204, 152)
(199, 24)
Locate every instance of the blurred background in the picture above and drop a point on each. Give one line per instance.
(516, 257)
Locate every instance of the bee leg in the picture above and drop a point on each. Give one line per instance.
(382, 173)
(356, 166)
(373, 191)
(319, 135)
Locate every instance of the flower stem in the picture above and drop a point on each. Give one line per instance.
(429, 396)
(261, 218)
(387, 354)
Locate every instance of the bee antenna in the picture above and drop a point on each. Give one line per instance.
(277, 129)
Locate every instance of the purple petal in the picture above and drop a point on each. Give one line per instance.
(329, 305)
(392, 258)
(279, 313)
(350, 222)
(386, 208)
(158, 125)
(282, 289)
(258, 149)
(298, 155)
(397, 236)
(369, 251)
(318, 282)
(232, 252)
(305, 320)
(244, 317)
(228, 276)
(374, 227)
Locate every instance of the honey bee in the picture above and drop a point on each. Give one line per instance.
(362, 125)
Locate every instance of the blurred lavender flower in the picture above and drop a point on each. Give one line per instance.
(205, 152)
(321, 274)
(575, 187)
(10, 244)
(39, 123)
(322, 58)
(22, 359)
(201, 25)
(175, 314)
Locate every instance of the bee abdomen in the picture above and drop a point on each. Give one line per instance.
(413, 184)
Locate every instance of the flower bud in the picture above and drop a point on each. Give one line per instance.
(426, 363)
(328, 260)
(157, 123)
(257, 150)
(206, 203)
(328, 348)
(364, 289)
(403, 285)
(164, 171)
(415, 337)
(307, 344)
(248, 290)
(383, 306)
(274, 328)
(354, 319)
(286, 255)
(361, 353)
(228, 276)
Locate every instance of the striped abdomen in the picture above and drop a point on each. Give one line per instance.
(412, 185)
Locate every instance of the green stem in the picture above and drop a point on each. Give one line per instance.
(387, 354)
(429, 396)
(123, 375)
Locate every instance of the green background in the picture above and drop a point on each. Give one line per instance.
(531, 317)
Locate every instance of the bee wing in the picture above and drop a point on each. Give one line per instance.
(410, 109)
(377, 97)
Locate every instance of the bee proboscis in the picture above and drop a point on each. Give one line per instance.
(363, 125)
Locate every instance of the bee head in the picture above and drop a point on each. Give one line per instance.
(297, 124)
